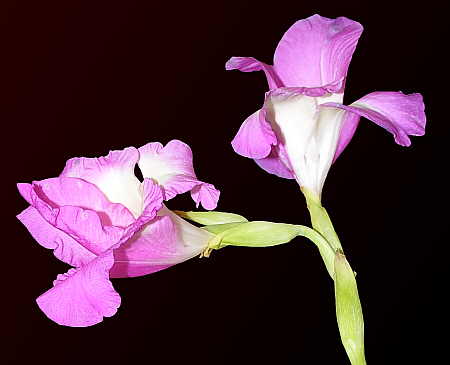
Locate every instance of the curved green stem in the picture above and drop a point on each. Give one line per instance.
(348, 306)
(325, 249)
(265, 234)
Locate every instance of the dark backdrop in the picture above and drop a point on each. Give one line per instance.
(81, 78)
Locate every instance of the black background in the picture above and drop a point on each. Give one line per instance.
(81, 78)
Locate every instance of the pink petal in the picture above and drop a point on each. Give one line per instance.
(152, 200)
(163, 242)
(77, 192)
(201, 192)
(400, 114)
(83, 225)
(25, 191)
(178, 184)
(206, 194)
(255, 138)
(250, 64)
(308, 91)
(162, 162)
(146, 252)
(83, 296)
(316, 52)
(113, 175)
(274, 165)
(64, 247)
(89, 227)
(172, 167)
(348, 129)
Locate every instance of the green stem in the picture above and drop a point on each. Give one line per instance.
(320, 219)
(348, 306)
(325, 249)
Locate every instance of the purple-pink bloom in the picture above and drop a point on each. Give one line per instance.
(303, 125)
(100, 219)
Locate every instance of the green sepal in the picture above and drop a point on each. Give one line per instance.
(348, 310)
(255, 234)
(211, 218)
(219, 228)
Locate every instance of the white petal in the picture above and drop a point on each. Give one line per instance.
(309, 134)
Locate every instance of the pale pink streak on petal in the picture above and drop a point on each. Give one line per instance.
(113, 175)
(250, 64)
(163, 242)
(83, 296)
(255, 138)
(147, 251)
(64, 247)
(172, 167)
(400, 114)
(316, 52)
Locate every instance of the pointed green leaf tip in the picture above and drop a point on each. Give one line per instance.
(210, 218)
(348, 310)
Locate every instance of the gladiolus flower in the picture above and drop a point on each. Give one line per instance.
(100, 219)
(303, 126)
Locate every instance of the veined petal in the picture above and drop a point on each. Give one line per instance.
(83, 225)
(113, 175)
(255, 138)
(308, 134)
(250, 64)
(64, 246)
(80, 193)
(172, 167)
(153, 200)
(83, 296)
(165, 241)
(316, 52)
(401, 114)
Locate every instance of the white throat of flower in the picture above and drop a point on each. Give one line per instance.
(309, 133)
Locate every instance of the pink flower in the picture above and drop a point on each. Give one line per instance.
(100, 219)
(303, 126)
